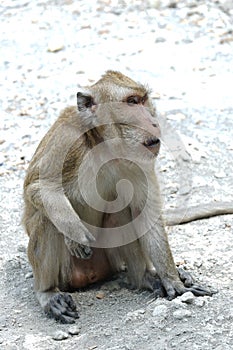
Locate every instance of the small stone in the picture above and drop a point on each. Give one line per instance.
(55, 45)
(29, 275)
(111, 286)
(60, 335)
(160, 40)
(160, 310)
(100, 295)
(187, 297)
(180, 314)
(177, 116)
(177, 303)
(135, 315)
(199, 302)
(21, 248)
(74, 330)
(220, 174)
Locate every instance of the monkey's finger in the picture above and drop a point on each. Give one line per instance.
(83, 252)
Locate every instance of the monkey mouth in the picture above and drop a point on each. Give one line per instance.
(151, 142)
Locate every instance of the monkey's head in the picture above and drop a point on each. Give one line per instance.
(122, 110)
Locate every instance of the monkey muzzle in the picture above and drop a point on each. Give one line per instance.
(152, 144)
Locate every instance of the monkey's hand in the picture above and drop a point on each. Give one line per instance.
(78, 250)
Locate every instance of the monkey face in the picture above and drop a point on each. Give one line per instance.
(131, 121)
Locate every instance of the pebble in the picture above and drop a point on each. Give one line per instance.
(178, 304)
(160, 310)
(21, 248)
(60, 335)
(55, 46)
(135, 315)
(220, 175)
(29, 275)
(187, 298)
(100, 295)
(199, 302)
(75, 330)
(180, 314)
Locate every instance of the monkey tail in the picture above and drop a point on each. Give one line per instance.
(202, 211)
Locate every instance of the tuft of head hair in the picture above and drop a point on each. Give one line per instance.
(121, 80)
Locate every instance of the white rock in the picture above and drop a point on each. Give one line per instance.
(187, 297)
(160, 310)
(60, 335)
(199, 302)
(29, 275)
(177, 303)
(180, 314)
(135, 315)
(74, 330)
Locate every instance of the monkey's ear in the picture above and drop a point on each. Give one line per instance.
(84, 101)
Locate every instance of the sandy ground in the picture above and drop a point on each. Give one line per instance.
(184, 51)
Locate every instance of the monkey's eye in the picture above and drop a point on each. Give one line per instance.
(133, 100)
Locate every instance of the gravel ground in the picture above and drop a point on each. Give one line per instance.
(184, 51)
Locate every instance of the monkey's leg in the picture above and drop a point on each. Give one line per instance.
(128, 255)
(155, 244)
(51, 265)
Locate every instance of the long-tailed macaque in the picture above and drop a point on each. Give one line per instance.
(92, 201)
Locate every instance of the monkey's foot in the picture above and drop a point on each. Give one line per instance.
(153, 283)
(175, 287)
(78, 250)
(62, 307)
(170, 288)
(189, 282)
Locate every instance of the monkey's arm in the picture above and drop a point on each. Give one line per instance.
(50, 199)
(202, 211)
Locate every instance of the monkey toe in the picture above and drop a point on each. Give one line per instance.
(190, 285)
(200, 291)
(62, 308)
(153, 284)
(185, 277)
